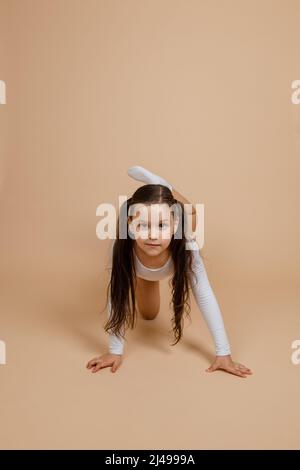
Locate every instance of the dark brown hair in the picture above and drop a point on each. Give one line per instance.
(122, 284)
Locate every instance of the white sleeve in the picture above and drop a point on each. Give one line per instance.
(116, 345)
(207, 303)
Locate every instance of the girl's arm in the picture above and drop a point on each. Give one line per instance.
(115, 344)
(210, 309)
(112, 359)
(207, 302)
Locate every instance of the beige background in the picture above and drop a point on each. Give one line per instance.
(200, 93)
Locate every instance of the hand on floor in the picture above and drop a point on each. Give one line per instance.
(107, 360)
(227, 364)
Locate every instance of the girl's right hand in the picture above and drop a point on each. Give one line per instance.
(107, 360)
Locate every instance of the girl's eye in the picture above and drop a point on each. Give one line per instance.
(144, 225)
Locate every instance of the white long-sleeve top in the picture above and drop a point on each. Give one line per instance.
(202, 292)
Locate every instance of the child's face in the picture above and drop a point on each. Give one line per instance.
(152, 227)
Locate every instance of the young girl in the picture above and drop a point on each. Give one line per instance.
(150, 252)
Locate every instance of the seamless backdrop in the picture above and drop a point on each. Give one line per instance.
(199, 92)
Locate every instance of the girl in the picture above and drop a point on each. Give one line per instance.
(150, 252)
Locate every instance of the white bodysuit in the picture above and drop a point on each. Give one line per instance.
(202, 292)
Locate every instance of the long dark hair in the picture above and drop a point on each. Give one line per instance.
(122, 284)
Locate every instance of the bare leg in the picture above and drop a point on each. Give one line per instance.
(188, 209)
(148, 298)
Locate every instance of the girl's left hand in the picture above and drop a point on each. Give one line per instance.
(227, 364)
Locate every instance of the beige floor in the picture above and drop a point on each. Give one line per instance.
(200, 93)
(161, 397)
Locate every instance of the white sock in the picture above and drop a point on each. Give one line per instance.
(141, 174)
